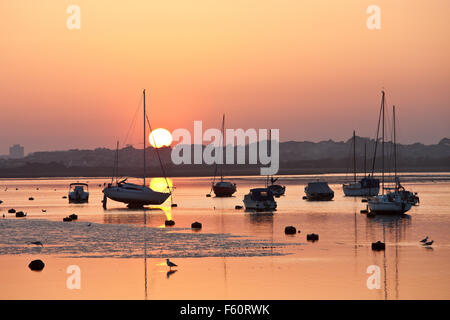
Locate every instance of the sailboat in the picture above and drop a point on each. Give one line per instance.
(222, 188)
(391, 202)
(134, 195)
(406, 195)
(276, 189)
(367, 186)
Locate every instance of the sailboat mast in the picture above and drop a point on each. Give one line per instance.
(354, 156)
(223, 142)
(365, 160)
(395, 144)
(144, 136)
(382, 146)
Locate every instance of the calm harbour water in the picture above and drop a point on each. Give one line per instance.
(236, 255)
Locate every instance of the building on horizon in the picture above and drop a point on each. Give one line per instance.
(16, 152)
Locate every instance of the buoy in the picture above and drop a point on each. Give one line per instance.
(20, 214)
(169, 223)
(30, 198)
(238, 207)
(43, 210)
(36, 265)
(196, 225)
(290, 230)
(64, 197)
(73, 216)
(12, 211)
(174, 205)
(66, 219)
(208, 195)
(299, 231)
(378, 246)
(312, 237)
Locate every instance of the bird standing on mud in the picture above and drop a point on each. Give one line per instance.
(170, 264)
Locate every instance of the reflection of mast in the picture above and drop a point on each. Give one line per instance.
(224, 258)
(396, 259)
(145, 253)
(384, 265)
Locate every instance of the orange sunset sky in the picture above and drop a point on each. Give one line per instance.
(311, 68)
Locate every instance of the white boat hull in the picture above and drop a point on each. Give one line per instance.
(379, 205)
(137, 197)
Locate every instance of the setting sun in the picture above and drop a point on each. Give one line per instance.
(160, 138)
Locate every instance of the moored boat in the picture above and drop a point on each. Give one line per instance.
(222, 188)
(391, 202)
(77, 192)
(367, 186)
(319, 191)
(260, 199)
(134, 195)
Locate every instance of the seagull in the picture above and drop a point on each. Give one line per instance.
(424, 240)
(429, 243)
(170, 264)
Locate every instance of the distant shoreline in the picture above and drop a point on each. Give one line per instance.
(106, 173)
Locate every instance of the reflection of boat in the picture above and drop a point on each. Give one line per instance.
(392, 202)
(132, 194)
(77, 192)
(260, 199)
(367, 186)
(318, 191)
(223, 188)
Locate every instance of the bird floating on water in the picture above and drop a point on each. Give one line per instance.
(170, 264)
(429, 243)
(424, 240)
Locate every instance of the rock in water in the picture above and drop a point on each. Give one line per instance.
(196, 225)
(377, 246)
(290, 230)
(312, 237)
(73, 216)
(20, 214)
(67, 219)
(36, 265)
(12, 211)
(169, 223)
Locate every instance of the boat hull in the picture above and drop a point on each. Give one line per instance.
(78, 197)
(136, 198)
(255, 205)
(353, 191)
(224, 191)
(382, 207)
(277, 190)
